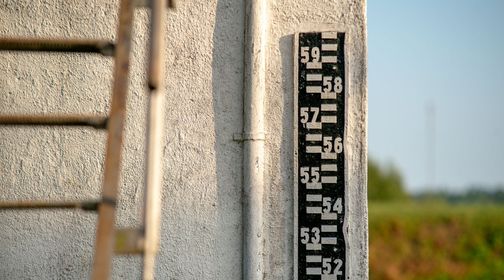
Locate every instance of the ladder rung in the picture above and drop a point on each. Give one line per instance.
(31, 205)
(57, 45)
(146, 3)
(98, 122)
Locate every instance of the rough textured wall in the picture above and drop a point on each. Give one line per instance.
(201, 228)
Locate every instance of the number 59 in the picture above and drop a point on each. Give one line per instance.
(305, 54)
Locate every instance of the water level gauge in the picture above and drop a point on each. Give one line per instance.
(319, 168)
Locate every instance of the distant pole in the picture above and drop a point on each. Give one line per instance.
(431, 144)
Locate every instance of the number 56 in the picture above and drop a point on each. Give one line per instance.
(329, 144)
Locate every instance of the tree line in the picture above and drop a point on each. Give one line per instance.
(385, 183)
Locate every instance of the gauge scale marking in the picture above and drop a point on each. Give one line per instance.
(319, 164)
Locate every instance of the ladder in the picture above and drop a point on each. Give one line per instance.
(109, 240)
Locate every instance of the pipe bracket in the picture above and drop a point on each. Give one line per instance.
(241, 137)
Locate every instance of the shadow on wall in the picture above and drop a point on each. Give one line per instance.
(227, 88)
(280, 206)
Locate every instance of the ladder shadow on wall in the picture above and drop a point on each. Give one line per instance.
(227, 91)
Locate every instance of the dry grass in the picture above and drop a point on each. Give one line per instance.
(436, 241)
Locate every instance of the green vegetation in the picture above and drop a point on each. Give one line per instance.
(474, 194)
(385, 183)
(436, 241)
(436, 235)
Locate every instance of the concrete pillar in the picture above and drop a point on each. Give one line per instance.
(288, 19)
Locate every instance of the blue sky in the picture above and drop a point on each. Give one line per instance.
(446, 55)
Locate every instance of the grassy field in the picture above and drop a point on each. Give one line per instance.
(436, 241)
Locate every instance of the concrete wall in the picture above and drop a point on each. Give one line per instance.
(201, 229)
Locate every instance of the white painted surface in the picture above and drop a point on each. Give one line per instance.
(201, 234)
(254, 93)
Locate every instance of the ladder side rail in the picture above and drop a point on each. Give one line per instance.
(154, 137)
(105, 238)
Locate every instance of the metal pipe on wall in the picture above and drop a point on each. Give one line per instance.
(256, 36)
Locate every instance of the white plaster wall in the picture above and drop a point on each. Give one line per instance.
(201, 229)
